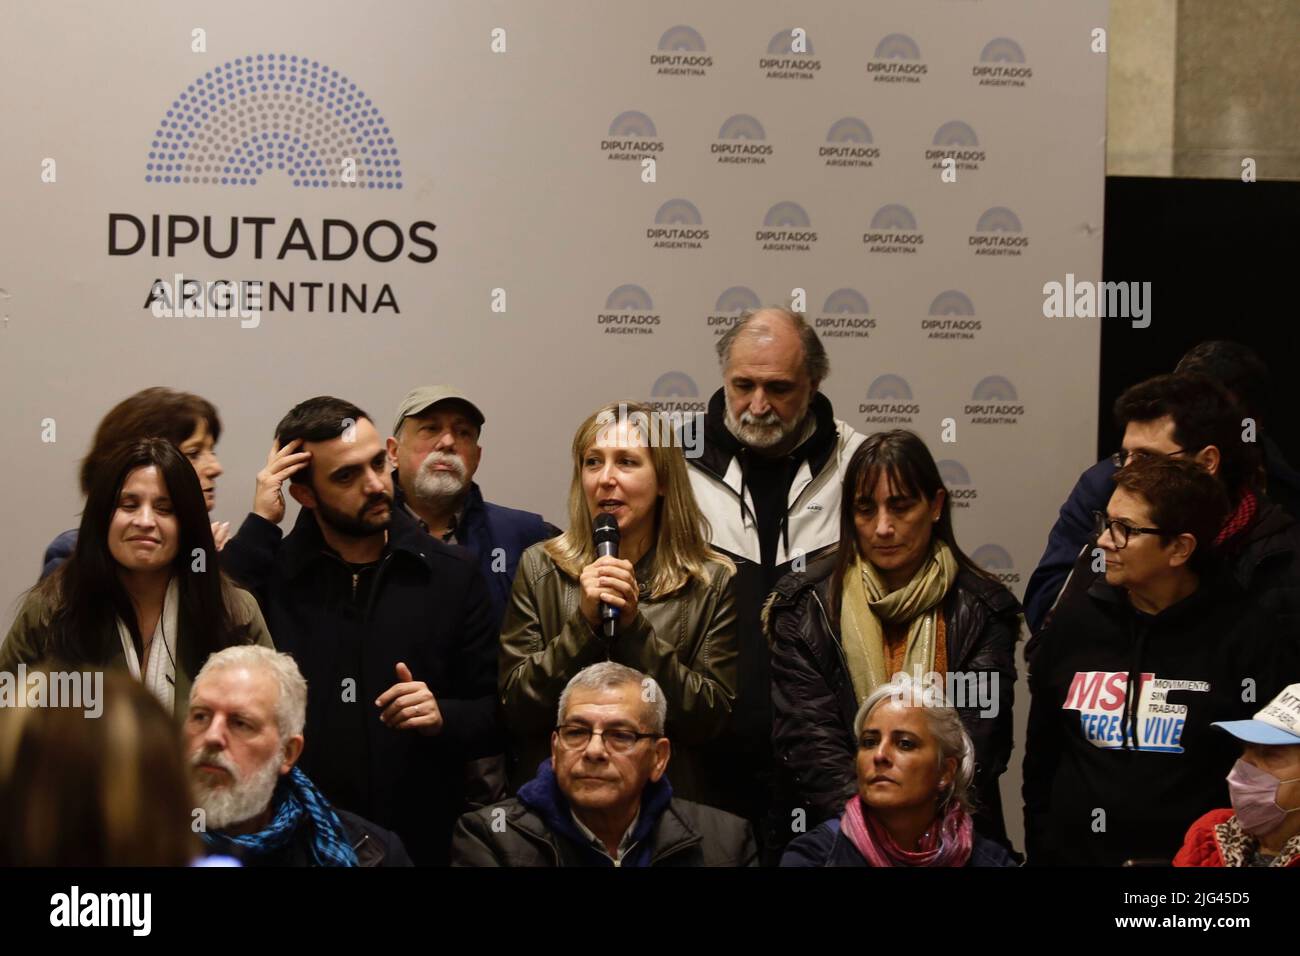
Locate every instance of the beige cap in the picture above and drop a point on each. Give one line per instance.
(425, 397)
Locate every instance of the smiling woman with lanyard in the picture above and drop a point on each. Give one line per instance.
(142, 591)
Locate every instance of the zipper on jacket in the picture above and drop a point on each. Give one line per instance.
(356, 576)
(835, 639)
(533, 838)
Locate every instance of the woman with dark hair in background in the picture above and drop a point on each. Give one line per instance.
(187, 421)
(106, 786)
(898, 596)
(142, 590)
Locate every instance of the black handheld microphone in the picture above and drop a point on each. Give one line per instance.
(604, 534)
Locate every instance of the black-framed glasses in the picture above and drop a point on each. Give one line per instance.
(577, 736)
(1119, 531)
(1122, 457)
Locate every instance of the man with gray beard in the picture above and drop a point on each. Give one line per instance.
(243, 736)
(769, 482)
(435, 450)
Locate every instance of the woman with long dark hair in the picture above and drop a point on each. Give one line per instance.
(142, 590)
(898, 597)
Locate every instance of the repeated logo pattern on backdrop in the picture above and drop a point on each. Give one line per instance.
(875, 177)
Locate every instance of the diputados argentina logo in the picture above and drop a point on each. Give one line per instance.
(247, 119)
(681, 52)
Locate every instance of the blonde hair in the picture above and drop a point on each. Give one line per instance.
(682, 532)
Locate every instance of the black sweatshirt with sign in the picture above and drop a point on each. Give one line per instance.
(1111, 775)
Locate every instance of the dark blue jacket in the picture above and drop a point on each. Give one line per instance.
(496, 536)
(58, 551)
(1073, 529)
(827, 846)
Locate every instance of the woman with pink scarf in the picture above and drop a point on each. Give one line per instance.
(915, 764)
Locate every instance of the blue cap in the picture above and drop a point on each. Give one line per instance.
(1278, 724)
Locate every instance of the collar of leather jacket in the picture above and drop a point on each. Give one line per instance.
(670, 833)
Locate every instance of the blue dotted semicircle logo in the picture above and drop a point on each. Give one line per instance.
(274, 113)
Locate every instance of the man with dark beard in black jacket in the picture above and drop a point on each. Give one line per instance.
(393, 630)
(1129, 674)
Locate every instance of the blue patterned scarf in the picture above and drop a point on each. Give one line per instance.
(296, 802)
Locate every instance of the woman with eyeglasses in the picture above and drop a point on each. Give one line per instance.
(915, 764)
(675, 612)
(1131, 672)
(898, 596)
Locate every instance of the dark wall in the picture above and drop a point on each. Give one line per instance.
(1221, 256)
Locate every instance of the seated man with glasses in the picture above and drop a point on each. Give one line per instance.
(601, 798)
(1132, 672)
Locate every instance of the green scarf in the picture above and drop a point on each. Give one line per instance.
(866, 602)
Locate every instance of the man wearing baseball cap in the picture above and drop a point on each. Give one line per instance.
(435, 445)
(1263, 826)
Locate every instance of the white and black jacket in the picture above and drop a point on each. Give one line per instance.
(809, 526)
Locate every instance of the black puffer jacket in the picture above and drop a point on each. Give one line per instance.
(814, 703)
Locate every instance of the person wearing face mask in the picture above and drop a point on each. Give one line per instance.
(676, 614)
(142, 590)
(912, 804)
(1263, 826)
(187, 421)
(898, 595)
(1121, 755)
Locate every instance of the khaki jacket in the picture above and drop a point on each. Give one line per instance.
(685, 641)
(29, 637)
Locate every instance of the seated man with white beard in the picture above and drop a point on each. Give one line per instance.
(243, 735)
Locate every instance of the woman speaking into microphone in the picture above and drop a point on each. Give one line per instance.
(672, 593)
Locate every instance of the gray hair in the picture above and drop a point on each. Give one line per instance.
(609, 674)
(945, 724)
(291, 705)
(815, 360)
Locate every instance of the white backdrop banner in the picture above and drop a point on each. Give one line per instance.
(552, 205)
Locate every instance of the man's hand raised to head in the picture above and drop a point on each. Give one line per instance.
(410, 705)
(268, 498)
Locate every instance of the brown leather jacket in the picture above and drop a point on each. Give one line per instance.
(686, 641)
